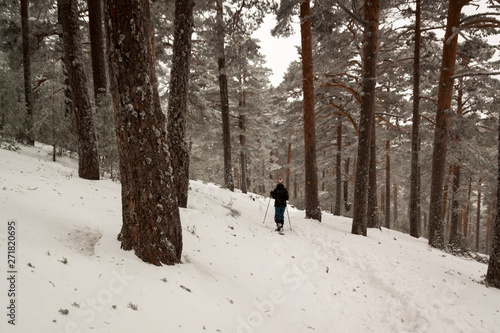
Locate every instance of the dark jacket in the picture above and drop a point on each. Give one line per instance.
(280, 194)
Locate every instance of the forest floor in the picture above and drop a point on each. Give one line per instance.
(237, 274)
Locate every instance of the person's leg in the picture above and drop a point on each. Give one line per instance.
(280, 217)
(276, 217)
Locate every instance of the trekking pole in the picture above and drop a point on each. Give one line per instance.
(288, 214)
(266, 211)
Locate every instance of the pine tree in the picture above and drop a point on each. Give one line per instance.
(151, 221)
(226, 129)
(88, 161)
(178, 95)
(313, 210)
(371, 16)
(28, 95)
(415, 136)
(445, 94)
(493, 273)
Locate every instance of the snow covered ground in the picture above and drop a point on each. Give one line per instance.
(237, 274)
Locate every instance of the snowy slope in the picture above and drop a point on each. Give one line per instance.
(237, 276)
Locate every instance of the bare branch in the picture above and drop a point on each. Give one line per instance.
(350, 13)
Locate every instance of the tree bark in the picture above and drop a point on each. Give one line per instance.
(313, 210)
(28, 94)
(372, 210)
(455, 204)
(415, 136)
(478, 214)
(178, 96)
(467, 211)
(97, 51)
(387, 185)
(347, 204)
(151, 222)
(370, 51)
(445, 94)
(288, 160)
(493, 273)
(226, 130)
(338, 165)
(88, 161)
(242, 124)
(455, 210)
(395, 201)
(445, 191)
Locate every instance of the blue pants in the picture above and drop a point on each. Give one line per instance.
(279, 214)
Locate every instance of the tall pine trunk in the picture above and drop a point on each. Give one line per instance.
(288, 160)
(28, 94)
(445, 94)
(347, 204)
(338, 166)
(415, 136)
(178, 96)
(455, 204)
(387, 184)
(372, 210)
(242, 124)
(226, 129)
(97, 51)
(478, 214)
(313, 210)
(493, 274)
(151, 223)
(88, 161)
(370, 50)
(455, 210)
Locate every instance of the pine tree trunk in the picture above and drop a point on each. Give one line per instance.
(445, 94)
(295, 189)
(370, 51)
(338, 165)
(493, 274)
(455, 204)
(395, 202)
(467, 210)
(387, 185)
(445, 192)
(478, 214)
(415, 136)
(28, 95)
(151, 222)
(313, 210)
(288, 160)
(88, 161)
(226, 130)
(242, 124)
(178, 96)
(97, 51)
(2, 116)
(372, 221)
(347, 205)
(488, 235)
(242, 121)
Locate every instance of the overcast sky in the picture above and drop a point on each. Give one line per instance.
(280, 52)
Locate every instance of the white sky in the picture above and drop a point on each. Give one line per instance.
(279, 52)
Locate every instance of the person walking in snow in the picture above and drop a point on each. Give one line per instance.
(280, 196)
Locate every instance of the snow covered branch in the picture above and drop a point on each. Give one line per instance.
(474, 74)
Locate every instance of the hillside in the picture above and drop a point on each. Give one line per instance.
(237, 275)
